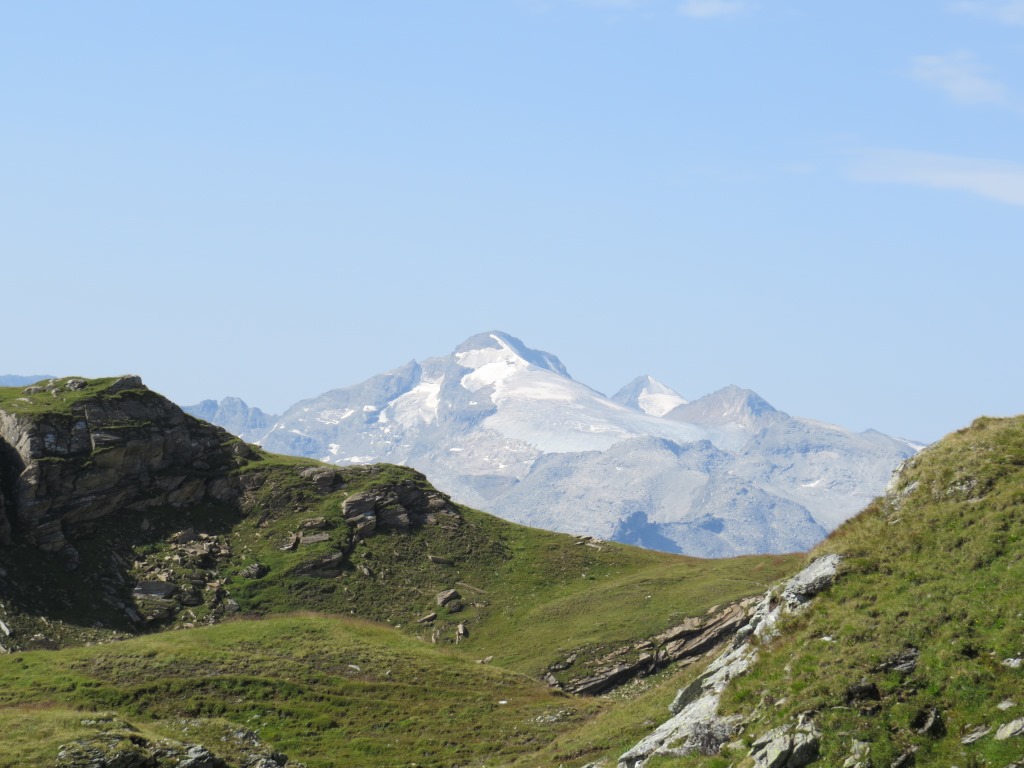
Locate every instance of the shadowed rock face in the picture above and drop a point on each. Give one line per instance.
(119, 448)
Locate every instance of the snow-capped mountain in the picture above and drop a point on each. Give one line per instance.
(505, 428)
(649, 395)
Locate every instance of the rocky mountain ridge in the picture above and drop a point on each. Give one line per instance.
(506, 429)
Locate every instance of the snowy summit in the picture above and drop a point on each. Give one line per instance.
(505, 428)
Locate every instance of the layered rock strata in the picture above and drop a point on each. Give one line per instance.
(696, 725)
(103, 448)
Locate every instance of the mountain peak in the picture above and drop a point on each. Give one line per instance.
(508, 346)
(730, 404)
(647, 394)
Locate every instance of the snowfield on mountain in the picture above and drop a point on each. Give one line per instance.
(505, 428)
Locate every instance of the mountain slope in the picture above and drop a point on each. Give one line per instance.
(126, 518)
(235, 416)
(915, 653)
(505, 428)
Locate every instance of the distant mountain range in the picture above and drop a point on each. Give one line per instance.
(505, 428)
(12, 380)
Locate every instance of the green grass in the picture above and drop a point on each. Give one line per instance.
(938, 566)
(282, 666)
(59, 402)
(531, 597)
(326, 691)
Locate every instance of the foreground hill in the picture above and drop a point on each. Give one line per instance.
(915, 655)
(505, 428)
(122, 517)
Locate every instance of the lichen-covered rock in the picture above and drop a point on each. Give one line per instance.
(1009, 730)
(447, 596)
(402, 506)
(324, 478)
(255, 571)
(786, 747)
(811, 580)
(685, 642)
(120, 745)
(695, 710)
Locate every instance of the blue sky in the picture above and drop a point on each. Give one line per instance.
(822, 202)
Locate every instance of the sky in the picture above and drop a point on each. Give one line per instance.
(822, 202)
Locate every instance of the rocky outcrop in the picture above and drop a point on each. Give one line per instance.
(682, 644)
(76, 451)
(118, 744)
(695, 707)
(402, 506)
(1010, 729)
(786, 747)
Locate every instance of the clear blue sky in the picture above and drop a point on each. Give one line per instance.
(823, 202)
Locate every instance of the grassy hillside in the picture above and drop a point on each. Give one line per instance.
(529, 597)
(253, 614)
(933, 577)
(325, 691)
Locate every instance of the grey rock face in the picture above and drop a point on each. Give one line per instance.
(687, 641)
(786, 747)
(447, 596)
(125, 448)
(1009, 730)
(811, 580)
(695, 708)
(505, 428)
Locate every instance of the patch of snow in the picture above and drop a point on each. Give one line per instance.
(331, 417)
(815, 484)
(918, 447)
(419, 404)
(369, 408)
(489, 365)
(659, 403)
